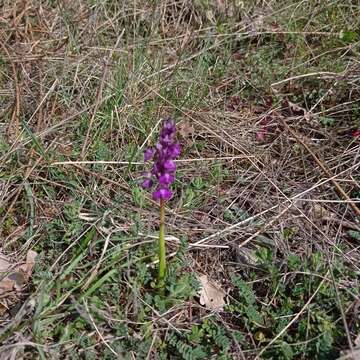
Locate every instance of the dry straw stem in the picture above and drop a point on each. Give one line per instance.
(314, 74)
(325, 170)
(100, 162)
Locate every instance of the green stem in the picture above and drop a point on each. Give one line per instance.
(162, 250)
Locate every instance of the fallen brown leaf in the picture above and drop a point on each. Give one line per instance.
(186, 129)
(211, 294)
(320, 211)
(28, 267)
(13, 275)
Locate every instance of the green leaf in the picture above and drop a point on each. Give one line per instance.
(253, 315)
(287, 351)
(349, 36)
(246, 292)
(35, 141)
(354, 234)
(138, 196)
(327, 121)
(98, 284)
(294, 262)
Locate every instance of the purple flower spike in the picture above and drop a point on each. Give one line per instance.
(164, 153)
(162, 194)
(148, 154)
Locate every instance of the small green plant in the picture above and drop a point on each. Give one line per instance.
(327, 121)
(202, 342)
(354, 234)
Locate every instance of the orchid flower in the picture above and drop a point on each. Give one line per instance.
(160, 178)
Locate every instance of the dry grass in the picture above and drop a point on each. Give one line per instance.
(266, 96)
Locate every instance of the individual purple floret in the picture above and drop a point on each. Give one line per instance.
(169, 165)
(149, 153)
(148, 182)
(163, 171)
(166, 179)
(162, 193)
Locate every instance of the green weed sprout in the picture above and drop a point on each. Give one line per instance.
(161, 176)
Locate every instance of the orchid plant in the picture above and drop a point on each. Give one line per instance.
(160, 178)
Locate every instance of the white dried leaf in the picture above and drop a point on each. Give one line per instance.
(211, 294)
